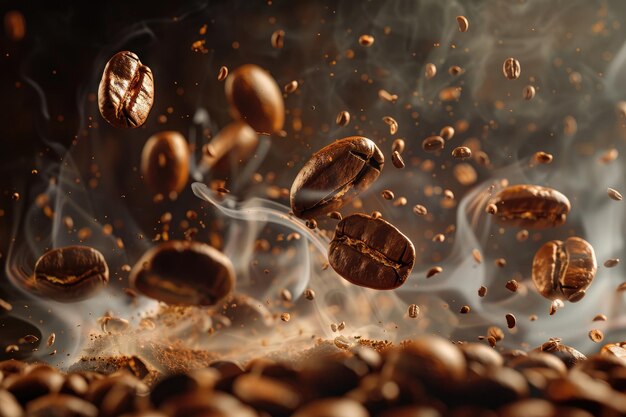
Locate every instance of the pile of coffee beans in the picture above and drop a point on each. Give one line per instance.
(426, 377)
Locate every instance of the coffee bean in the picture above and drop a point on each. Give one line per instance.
(529, 92)
(255, 97)
(565, 353)
(430, 71)
(309, 294)
(596, 335)
(334, 175)
(15, 25)
(267, 394)
(510, 321)
(455, 70)
(278, 39)
(61, 405)
(610, 263)
(9, 407)
(71, 273)
(414, 311)
(433, 144)
(126, 91)
(614, 194)
(290, 87)
(371, 252)
(165, 162)
(231, 149)
(482, 291)
(387, 194)
(185, 273)
(447, 132)
(420, 210)
(35, 384)
(398, 146)
(480, 354)
(512, 285)
(555, 306)
(463, 23)
(511, 68)
(223, 73)
(461, 152)
(396, 160)
(343, 118)
(465, 310)
(366, 40)
(332, 407)
(531, 206)
(245, 312)
(543, 158)
(391, 122)
(434, 271)
(564, 270)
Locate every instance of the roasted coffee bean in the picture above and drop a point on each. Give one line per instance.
(278, 39)
(366, 40)
(398, 145)
(71, 273)
(256, 98)
(61, 405)
(433, 143)
(334, 175)
(267, 394)
(343, 118)
(231, 149)
(222, 73)
(14, 25)
(35, 384)
(245, 312)
(332, 407)
(100, 388)
(206, 403)
(480, 356)
(371, 253)
(126, 91)
(461, 152)
(185, 273)
(531, 206)
(165, 162)
(529, 92)
(9, 407)
(463, 23)
(564, 270)
(396, 160)
(414, 311)
(430, 70)
(565, 353)
(511, 68)
(614, 194)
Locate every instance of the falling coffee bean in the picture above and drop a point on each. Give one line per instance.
(71, 273)
(371, 253)
(334, 175)
(433, 143)
(14, 25)
(165, 162)
(126, 91)
(343, 118)
(463, 23)
(256, 98)
(184, 273)
(430, 70)
(531, 206)
(396, 160)
(564, 270)
(461, 152)
(511, 68)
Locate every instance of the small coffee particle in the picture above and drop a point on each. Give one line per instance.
(366, 40)
(455, 70)
(543, 157)
(433, 144)
(482, 291)
(309, 294)
(596, 335)
(333, 327)
(396, 160)
(532, 317)
(492, 341)
(464, 310)
(491, 209)
(278, 39)
(285, 317)
(398, 146)
(501, 262)
(222, 73)
(335, 215)
(341, 326)
(496, 333)
(439, 237)
(414, 311)
(311, 224)
(15, 25)
(447, 132)
(614, 194)
(463, 23)
(512, 285)
(420, 210)
(610, 263)
(400, 202)
(522, 235)
(528, 92)
(510, 321)
(448, 194)
(342, 342)
(477, 256)
(4, 305)
(570, 126)
(12, 349)
(51, 339)
(511, 68)
(285, 294)
(430, 70)
(15, 196)
(433, 271)
(600, 317)
(461, 152)
(555, 306)
(343, 118)
(609, 156)
(387, 194)
(391, 122)
(290, 87)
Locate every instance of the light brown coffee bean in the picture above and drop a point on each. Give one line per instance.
(334, 176)
(596, 335)
(278, 39)
(447, 132)
(433, 144)
(126, 91)
(71, 273)
(420, 210)
(371, 253)
(414, 311)
(366, 40)
(430, 70)
(614, 194)
(531, 206)
(398, 146)
(529, 92)
(332, 407)
(343, 118)
(463, 23)
(184, 273)
(564, 270)
(231, 149)
(165, 162)
(543, 157)
(511, 68)
(222, 73)
(255, 98)
(290, 87)
(461, 152)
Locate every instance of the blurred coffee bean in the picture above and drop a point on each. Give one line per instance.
(334, 175)
(12, 366)
(256, 98)
(60, 405)
(71, 273)
(100, 388)
(495, 388)
(331, 377)
(35, 384)
(371, 252)
(536, 407)
(119, 399)
(411, 411)
(14, 25)
(511, 68)
(531, 207)
(165, 162)
(332, 407)
(433, 144)
(170, 387)
(184, 273)
(564, 270)
(245, 312)
(231, 149)
(126, 91)
(9, 407)
(266, 394)
(567, 354)
(229, 371)
(75, 384)
(482, 355)
(201, 403)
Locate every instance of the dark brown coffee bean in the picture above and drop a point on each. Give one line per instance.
(334, 175)
(14, 25)
(60, 405)
(343, 118)
(531, 206)
(433, 143)
(461, 152)
(610, 263)
(256, 98)
(267, 394)
(396, 160)
(366, 40)
(245, 312)
(564, 270)
(529, 92)
(71, 273)
(278, 39)
(511, 68)
(332, 407)
(208, 404)
(35, 384)
(185, 273)
(232, 148)
(510, 321)
(481, 355)
(100, 388)
(371, 253)
(165, 162)
(126, 91)
(463, 23)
